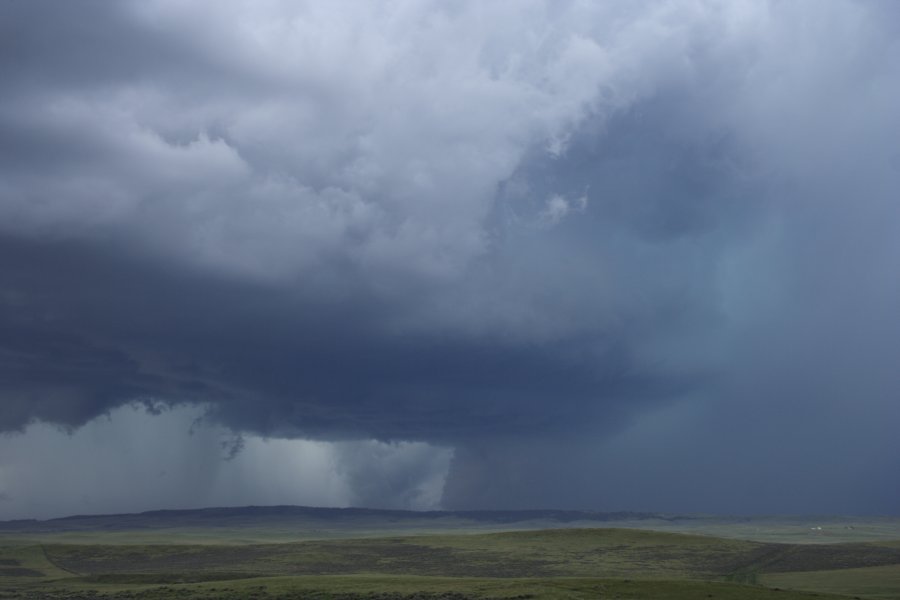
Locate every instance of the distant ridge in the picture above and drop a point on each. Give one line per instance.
(335, 512)
(286, 523)
(313, 516)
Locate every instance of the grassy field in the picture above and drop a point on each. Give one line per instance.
(278, 525)
(871, 582)
(322, 554)
(567, 563)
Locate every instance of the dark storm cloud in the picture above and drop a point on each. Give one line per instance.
(273, 363)
(400, 222)
(316, 319)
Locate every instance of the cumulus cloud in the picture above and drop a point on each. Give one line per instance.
(558, 208)
(481, 227)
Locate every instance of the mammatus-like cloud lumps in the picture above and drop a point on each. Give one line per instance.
(525, 231)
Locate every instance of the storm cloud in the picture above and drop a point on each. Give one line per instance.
(564, 239)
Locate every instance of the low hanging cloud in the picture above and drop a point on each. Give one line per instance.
(179, 459)
(488, 227)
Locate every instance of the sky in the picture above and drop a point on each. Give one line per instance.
(444, 254)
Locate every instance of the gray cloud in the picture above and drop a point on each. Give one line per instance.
(163, 460)
(401, 223)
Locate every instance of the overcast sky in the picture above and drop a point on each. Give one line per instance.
(609, 255)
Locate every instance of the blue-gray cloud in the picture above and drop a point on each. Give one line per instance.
(491, 227)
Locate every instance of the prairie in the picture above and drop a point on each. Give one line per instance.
(397, 557)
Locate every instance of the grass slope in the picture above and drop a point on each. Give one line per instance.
(278, 524)
(563, 563)
(871, 582)
(367, 587)
(547, 553)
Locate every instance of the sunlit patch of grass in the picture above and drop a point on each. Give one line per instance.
(869, 582)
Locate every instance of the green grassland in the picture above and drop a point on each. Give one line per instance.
(259, 525)
(557, 563)
(870, 582)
